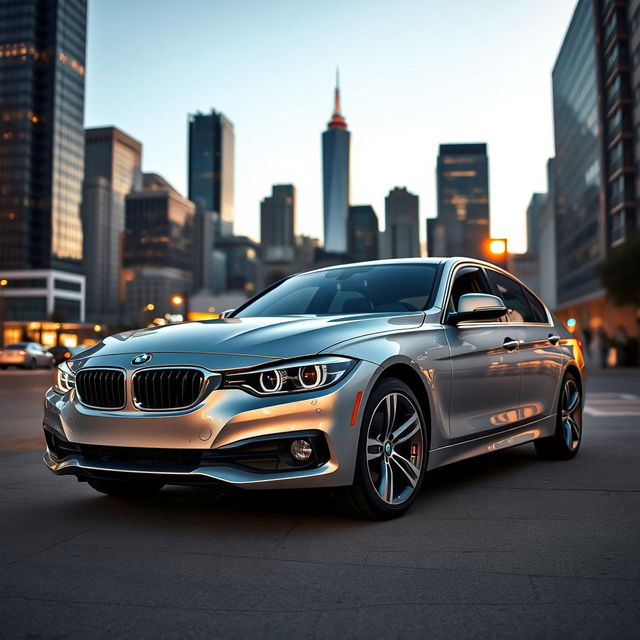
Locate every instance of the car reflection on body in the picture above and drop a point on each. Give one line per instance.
(27, 355)
(358, 377)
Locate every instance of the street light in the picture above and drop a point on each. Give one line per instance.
(177, 300)
(497, 251)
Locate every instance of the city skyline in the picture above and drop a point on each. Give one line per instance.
(401, 104)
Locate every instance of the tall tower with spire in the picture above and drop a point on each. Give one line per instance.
(336, 143)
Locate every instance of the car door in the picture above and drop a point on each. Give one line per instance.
(485, 363)
(36, 353)
(540, 355)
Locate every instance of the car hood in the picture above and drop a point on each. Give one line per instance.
(269, 338)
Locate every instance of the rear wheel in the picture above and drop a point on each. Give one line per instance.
(392, 454)
(126, 488)
(565, 442)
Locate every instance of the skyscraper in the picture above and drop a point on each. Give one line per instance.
(336, 142)
(596, 112)
(402, 223)
(362, 233)
(462, 224)
(580, 227)
(278, 223)
(527, 265)
(158, 247)
(112, 170)
(211, 167)
(42, 67)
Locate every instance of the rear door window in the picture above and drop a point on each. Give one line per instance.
(514, 298)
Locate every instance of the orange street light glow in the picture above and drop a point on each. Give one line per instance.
(176, 300)
(498, 247)
(150, 307)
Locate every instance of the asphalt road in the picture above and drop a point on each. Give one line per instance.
(502, 546)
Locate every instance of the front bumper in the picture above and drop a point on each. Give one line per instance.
(226, 420)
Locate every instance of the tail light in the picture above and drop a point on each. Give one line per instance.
(22, 353)
(67, 354)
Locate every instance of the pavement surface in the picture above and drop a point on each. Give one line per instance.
(502, 546)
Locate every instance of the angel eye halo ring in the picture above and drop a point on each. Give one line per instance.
(295, 376)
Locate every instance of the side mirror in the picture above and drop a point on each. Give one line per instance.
(477, 307)
(226, 313)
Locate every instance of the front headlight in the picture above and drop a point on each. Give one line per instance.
(65, 378)
(292, 377)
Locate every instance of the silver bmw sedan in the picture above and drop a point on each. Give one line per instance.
(358, 377)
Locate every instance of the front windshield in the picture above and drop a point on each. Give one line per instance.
(383, 288)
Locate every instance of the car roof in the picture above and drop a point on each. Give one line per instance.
(435, 260)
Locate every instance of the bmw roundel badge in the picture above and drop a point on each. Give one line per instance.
(142, 358)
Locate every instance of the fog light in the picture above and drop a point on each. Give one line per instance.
(301, 450)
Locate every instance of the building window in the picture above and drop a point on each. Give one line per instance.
(67, 285)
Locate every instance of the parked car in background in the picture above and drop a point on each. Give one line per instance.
(356, 377)
(62, 353)
(28, 355)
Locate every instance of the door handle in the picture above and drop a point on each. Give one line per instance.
(510, 344)
(553, 339)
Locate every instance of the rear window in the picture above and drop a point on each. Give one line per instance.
(17, 345)
(359, 289)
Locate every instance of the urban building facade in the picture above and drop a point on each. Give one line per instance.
(211, 172)
(203, 271)
(336, 150)
(461, 227)
(596, 98)
(402, 223)
(42, 67)
(527, 265)
(157, 249)
(112, 170)
(242, 264)
(546, 233)
(278, 223)
(362, 233)
(614, 70)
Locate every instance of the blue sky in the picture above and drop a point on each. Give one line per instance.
(414, 73)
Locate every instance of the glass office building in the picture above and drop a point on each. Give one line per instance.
(42, 77)
(211, 167)
(278, 223)
(580, 228)
(402, 223)
(158, 247)
(336, 145)
(362, 232)
(462, 224)
(112, 170)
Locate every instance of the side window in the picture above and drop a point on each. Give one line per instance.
(467, 280)
(513, 296)
(537, 309)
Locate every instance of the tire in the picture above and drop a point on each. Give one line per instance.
(132, 489)
(392, 455)
(50, 364)
(32, 364)
(565, 442)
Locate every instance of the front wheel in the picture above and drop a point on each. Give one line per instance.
(392, 454)
(565, 442)
(133, 489)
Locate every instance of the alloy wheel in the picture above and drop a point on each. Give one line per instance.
(571, 419)
(395, 448)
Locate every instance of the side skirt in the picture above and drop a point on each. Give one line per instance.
(493, 442)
